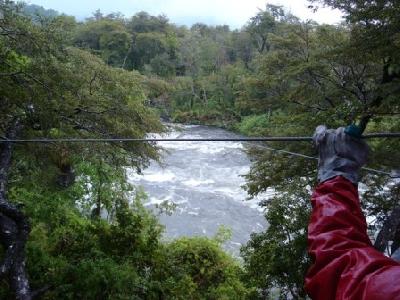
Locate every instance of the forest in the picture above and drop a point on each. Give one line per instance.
(122, 76)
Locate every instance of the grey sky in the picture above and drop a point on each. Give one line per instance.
(231, 12)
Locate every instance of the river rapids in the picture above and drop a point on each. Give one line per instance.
(204, 180)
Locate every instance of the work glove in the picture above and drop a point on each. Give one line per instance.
(340, 154)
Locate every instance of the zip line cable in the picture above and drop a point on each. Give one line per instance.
(255, 139)
(124, 140)
(370, 170)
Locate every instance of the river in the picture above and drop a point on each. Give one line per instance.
(205, 181)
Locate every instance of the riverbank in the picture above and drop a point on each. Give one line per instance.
(253, 125)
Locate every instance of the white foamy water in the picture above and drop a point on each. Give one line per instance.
(205, 181)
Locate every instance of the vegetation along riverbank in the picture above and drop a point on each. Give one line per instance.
(72, 227)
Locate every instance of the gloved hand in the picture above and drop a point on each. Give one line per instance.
(339, 154)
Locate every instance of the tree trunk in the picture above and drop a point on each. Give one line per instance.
(14, 226)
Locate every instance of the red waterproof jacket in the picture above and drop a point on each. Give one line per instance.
(346, 266)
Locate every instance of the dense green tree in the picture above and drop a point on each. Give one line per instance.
(162, 66)
(147, 46)
(315, 75)
(88, 234)
(264, 23)
(106, 37)
(241, 47)
(142, 22)
(277, 258)
(72, 255)
(49, 90)
(374, 27)
(198, 269)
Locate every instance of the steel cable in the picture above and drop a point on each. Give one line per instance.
(124, 140)
(255, 139)
(369, 170)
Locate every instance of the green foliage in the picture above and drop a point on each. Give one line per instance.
(199, 269)
(253, 125)
(143, 22)
(122, 258)
(262, 24)
(108, 38)
(277, 258)
(314, 75)
(91, 236)
(81, 256)
(148, 45)
(162, 65)
(60, 91)
(223, 234)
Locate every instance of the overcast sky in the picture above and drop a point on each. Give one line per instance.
(187, 12)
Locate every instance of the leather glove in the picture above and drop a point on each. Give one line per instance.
(339, 154)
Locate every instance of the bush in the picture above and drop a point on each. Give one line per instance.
(198, 268)
(253, 125)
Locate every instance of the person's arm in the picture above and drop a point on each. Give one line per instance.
(346, 266)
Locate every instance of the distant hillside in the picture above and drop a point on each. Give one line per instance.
(34, 10)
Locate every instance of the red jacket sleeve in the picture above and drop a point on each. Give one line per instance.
(346, 266)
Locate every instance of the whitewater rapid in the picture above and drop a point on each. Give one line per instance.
(204, 180)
